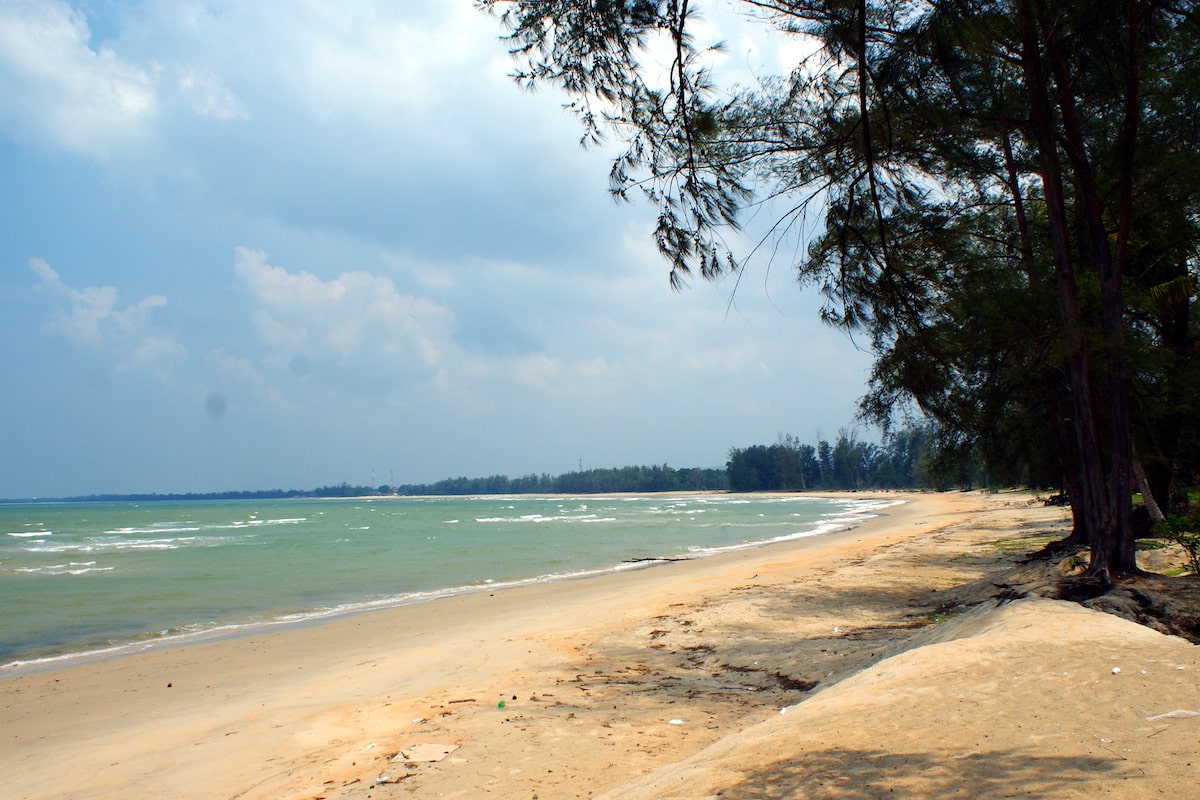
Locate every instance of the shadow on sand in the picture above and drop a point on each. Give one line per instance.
(835, 774)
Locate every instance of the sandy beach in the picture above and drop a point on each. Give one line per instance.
(862, 664)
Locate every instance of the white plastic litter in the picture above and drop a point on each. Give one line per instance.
(1177, 713)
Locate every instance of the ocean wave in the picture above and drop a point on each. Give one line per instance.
(97, 545)
(843, 520)
(157, 529)
(538, 519)
(63, 569)
(190, 526)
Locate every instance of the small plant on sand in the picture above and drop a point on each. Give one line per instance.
(1184, 530)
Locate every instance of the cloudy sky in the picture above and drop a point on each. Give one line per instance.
(252, 245)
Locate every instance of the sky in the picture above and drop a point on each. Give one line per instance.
(255, 245)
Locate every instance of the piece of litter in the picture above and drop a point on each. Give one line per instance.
(382, 779)
(676, 722)
(1116, 671)
(428, 752)
(1177, 713)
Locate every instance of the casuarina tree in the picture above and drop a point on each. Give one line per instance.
(989, 173)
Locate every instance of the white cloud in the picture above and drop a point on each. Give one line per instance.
(356, 317)
(237, 384)
(593, 377)
(207, 96)
(100, 102)
(376, 119)
(156, 354)
(367, 69)
(54, 85)
(90, 316)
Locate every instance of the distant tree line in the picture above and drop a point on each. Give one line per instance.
(918, 456)
(158, 497)
(921, 455)
(592, 481)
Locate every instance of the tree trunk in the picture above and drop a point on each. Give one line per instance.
(1113, 547)
(1096, 496)
(1068, 462)
(1156, 514)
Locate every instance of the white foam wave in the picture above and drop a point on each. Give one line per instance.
(157, 529)
(100, 545)
(847, 518)
(63, 569)
(31, 534)
(190, 526)
(539, 519)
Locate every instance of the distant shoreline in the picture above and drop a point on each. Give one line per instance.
(249, 496)
(315, 494)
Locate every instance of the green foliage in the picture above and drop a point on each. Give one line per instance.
(592, 481)
(1184, 530)
(907, 458)
(1008, 209)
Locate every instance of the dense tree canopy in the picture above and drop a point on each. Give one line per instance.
(1008, 195)
(905, 459)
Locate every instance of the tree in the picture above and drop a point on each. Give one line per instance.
(914, 456)
(970, 157)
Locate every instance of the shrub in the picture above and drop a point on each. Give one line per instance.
(1184, 530)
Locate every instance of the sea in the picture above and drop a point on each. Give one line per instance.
(85, 580)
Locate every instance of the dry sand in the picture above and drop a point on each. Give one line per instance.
(843, 666)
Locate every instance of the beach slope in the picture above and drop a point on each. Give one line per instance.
(1038, 698)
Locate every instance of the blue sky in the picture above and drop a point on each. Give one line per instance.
(255, 245)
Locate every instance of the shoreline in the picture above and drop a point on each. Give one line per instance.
(233, 630)
(648, 683)
(157, 720)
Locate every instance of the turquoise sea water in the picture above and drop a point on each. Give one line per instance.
(89, 577)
